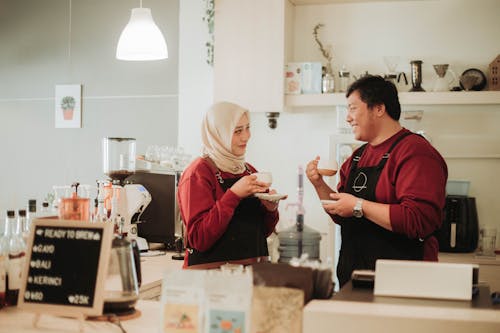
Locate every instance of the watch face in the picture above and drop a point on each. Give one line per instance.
(357, 210)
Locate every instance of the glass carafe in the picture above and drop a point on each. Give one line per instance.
(118, 157)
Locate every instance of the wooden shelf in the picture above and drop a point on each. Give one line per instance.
(405, 98)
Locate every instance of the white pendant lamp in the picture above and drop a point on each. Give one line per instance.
(141, 39)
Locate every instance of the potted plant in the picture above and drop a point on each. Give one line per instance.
(328, 82)
(67, 106)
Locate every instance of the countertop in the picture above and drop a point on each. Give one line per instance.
(358, 310)
(13, 319)
(489, 267)
(351, 310)
(469, 258)
(152, 271)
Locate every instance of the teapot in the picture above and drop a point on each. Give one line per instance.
(443, 83)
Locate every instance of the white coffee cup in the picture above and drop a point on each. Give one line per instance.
(265, 177)
(327, 167)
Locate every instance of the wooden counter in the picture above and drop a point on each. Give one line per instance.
(358, 310)
(12, 319)
(351, 310)
(152, 270)
(489, 267)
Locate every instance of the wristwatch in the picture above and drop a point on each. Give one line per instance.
(357, 211)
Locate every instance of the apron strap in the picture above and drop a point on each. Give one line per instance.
(217, 172)
(357, 157)
(385, 157)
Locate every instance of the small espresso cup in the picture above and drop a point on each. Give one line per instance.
(327, 167)
(265, 177)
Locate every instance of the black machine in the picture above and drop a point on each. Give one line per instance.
(460, 229)
(161, 217)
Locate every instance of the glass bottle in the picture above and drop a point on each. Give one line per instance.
(45, 208)
(22, 221)
(328, 81)
(101, 214)
(17, 248)
(4, 260)
(31, 213)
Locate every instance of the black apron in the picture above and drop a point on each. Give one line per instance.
(245, 234)
(363, 242)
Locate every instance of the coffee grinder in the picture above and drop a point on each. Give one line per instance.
(128, 201)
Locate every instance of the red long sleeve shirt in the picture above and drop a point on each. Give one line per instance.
(206, 209)
(413, 183)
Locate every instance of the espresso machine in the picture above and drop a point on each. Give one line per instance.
(128, 201)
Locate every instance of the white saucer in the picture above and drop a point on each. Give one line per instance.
(270, 197)
(327, 202)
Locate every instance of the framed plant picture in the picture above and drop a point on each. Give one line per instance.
(68, 106)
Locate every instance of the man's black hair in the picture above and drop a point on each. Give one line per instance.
(375, 90)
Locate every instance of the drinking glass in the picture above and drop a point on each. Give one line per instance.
(60, 191)
(487, 241)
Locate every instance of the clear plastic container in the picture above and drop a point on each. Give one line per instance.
(289, 243)
(457, 187)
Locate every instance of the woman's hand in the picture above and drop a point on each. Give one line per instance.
(271, 206)
(312, 172)
(248, 185)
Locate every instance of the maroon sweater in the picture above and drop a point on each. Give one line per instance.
(206, 209)
(413, 183)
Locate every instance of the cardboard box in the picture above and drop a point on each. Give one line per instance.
(311, 78)
(293, 78)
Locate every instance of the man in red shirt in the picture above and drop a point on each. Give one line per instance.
(391, 192)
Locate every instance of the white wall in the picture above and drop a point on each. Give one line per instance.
(49, 42)
(195, 74)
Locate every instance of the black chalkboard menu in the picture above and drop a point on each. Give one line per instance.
(65, 267)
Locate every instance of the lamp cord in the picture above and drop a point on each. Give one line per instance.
(69, 31)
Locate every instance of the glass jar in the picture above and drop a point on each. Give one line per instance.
(345, 79)
(328, 84)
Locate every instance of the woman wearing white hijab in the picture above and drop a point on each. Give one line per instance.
(224, 222)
